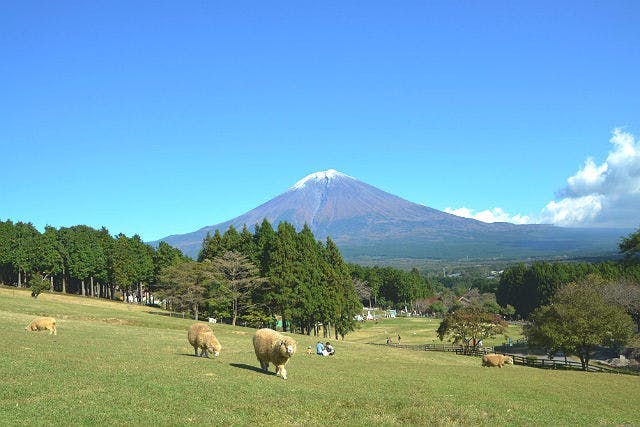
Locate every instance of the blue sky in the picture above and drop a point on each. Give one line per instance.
(160, 118)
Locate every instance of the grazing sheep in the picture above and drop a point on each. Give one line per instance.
(42, 324)
(201, 337)
(271, 346)
(498, 360)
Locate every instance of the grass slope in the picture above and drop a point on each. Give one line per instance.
(117, 364)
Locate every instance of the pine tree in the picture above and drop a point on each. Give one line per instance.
(212, 246)
(281, 272)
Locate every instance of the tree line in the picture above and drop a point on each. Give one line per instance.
(254, 277)
(390, 287)
(528, 287)
(80, 260)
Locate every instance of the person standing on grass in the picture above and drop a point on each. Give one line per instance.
(398, 339)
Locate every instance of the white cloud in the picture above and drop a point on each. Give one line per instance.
(489, 215)
(606, 195)
(571, 211)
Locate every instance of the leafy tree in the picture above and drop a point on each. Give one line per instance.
(239, 279)
(38, 284)
(579, 319)
(363, 290)
(545, 330)
(438, 308)
(624, 293)
(630, 246)
(469, 325)
(508, 311)
(188, 284)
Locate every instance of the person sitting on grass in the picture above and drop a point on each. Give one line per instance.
(329, 349)
(320, 350)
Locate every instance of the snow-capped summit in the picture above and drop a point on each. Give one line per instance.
(322, 176)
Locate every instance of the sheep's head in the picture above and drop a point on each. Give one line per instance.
(508, 360)
(287, 346)
(214, 347)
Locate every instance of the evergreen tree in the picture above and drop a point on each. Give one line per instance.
(281, 272)
(264, 240)
(23, 248)
(231, 240)
(212, 246)
(49, 260)
(309, 292)
(348, 304)
(7, 232)
(247, 246)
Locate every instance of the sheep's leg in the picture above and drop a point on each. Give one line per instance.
(264, 365)
(195, 349)
(204, 353)
(283, 372)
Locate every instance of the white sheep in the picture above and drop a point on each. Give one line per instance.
(201, 337)
(43, 324)
(272, 347)
(498, 360)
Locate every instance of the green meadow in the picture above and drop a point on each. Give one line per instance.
(118, 364)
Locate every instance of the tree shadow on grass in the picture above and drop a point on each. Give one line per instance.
(251, 368)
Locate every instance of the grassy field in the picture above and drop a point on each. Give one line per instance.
(414, 330)
(118, 364)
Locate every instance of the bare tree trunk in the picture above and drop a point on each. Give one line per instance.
(235, 312)
(19, 278)
(82, 287)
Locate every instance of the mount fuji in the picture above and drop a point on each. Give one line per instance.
(367, 222)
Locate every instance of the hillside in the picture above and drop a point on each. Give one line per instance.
(367, 222)
(114, 363)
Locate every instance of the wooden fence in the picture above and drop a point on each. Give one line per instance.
(533, 361)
